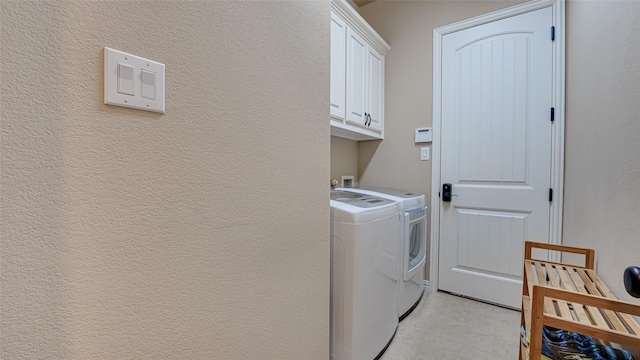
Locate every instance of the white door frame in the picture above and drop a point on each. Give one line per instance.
(557, 132)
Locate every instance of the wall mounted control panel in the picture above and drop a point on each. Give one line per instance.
(424, 135)
(132, 81)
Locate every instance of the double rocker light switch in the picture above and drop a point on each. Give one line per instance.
(133, 82)
(126, 79)
(148, 84)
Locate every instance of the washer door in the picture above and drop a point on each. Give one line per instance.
(415, 242)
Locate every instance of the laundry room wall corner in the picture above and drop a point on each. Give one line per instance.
(344, 158)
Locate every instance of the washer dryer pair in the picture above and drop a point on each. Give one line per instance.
(364, 275)
(412, 238)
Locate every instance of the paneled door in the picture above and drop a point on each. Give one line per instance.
(496, 149)
(356, 78)
(375, 103)
(337, 91)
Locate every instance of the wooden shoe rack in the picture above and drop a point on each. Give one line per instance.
(572, 298)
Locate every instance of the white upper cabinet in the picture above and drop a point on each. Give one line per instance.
(357, 75)
(356, 79)
(338, 66)
(376, 88)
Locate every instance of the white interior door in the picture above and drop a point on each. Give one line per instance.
(496, 152)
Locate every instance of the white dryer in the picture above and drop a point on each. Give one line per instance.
(413, 242)
(364, 275)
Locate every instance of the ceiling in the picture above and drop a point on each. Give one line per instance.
(361, 3)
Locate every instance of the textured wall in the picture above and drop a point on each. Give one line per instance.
(198, 234)
(344, 158)
(602, 196)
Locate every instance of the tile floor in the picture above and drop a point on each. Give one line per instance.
(445, 326)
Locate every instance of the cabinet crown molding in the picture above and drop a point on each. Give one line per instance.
(360, 25)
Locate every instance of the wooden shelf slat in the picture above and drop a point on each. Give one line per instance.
(563, 306)
(526, 303)
(613, 316)
(583, 287)
(529, 280)
(542, 279)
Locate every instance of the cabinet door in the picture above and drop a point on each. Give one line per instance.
(375, 76)
(338, 66)
(356, 78)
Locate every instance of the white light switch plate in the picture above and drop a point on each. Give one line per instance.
(151, 85)
(424, 153)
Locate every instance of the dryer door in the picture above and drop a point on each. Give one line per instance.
(415, 242)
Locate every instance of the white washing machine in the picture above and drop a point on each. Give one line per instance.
(413, 243)
(364, 275)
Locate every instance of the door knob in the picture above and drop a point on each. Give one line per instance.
(446, 192)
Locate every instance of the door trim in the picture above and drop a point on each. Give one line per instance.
(557, 130)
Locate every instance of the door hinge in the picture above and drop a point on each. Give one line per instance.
(553, 33)
(553, 114)
(550, 194)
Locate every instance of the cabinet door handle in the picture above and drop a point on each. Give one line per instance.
(366, 118)
(369, 116)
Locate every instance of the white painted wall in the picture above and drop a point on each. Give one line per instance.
(602, 192)
(202, 233)
(344, 159)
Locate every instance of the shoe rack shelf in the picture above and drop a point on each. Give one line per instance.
(572, 298)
